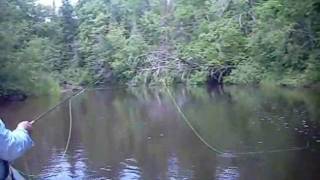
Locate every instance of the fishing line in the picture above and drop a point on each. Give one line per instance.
(184, 117)
(40, 116)
(272, 151)
(31, 176)
(70, 129)
(220, 151)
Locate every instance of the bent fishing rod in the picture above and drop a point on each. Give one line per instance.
(31, 176)
(40, 116)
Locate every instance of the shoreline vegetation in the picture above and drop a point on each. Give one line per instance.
(72, 89)
(49, 49)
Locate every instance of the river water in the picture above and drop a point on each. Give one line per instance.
(138, 133)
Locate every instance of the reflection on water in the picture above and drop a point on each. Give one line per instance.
(138, 134)
(228, 173)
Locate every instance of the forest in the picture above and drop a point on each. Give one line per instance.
(153, 42)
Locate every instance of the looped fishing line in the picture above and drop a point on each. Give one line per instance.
(216, 150)
(31, 176)
(70, 129)
(220, 151)
(40, 116)
(184, 117)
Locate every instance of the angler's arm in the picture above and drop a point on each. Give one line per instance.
(13, 144)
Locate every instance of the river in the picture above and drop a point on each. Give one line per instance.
(139, 133)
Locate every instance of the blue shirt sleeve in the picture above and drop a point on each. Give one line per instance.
(13, 144)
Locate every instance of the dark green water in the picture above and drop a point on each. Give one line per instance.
(138, 134)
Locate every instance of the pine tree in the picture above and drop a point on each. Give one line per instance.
(69, 29)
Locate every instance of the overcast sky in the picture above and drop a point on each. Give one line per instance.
(58, 2)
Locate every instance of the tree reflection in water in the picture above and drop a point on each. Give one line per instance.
(138, 134)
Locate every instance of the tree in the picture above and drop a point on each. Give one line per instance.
(152, 42)
(69, 30)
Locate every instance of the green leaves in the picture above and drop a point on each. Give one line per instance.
(152, 42)
(23, 48)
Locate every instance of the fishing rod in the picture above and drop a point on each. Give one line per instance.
(40, 116)
(184, 117)
(33, 176)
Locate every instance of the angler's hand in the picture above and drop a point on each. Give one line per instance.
(25, 125)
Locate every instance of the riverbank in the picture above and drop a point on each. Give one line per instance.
(22, 96)
(69, 88)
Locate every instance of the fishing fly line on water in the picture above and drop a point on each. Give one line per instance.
(43, 114)
(184, 117)
(182, 114)
(32, 176)
(220, 151)
(70, 129)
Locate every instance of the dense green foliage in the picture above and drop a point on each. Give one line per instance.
(157, 41)
(25, 45)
